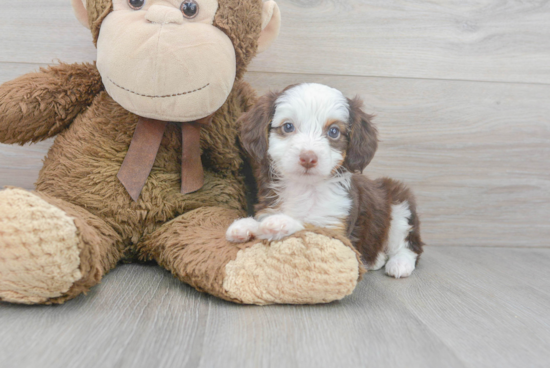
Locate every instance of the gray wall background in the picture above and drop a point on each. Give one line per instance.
(461, 91)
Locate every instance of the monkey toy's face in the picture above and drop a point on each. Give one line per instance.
(164, 59)
(167, 59)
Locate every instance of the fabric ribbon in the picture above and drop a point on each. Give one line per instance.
(144, 148)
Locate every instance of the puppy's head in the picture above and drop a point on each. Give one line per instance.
(309, 131)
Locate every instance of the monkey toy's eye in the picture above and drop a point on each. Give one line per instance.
(334, 133)
(288, 128)
(190, 9)
(136, 4)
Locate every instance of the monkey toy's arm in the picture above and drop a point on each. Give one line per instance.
(40, 105)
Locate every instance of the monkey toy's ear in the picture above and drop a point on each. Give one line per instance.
(79, 7)
(271, 24)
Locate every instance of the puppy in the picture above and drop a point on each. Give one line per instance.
(309, 145)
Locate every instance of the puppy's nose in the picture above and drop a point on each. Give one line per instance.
(308, 159)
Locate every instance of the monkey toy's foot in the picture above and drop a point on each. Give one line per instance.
(39, 255)
(309, 267)
(44, 255)
(306, 268)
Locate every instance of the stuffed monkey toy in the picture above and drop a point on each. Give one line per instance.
(147, 164)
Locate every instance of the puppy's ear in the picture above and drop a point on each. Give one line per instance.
(363, 138)
(255, 125)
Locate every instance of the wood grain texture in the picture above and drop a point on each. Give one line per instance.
(486, 40)
(491, 40)
(43, 32)
(9, 71)
(139, 317)
(463, 307)
(367, 329)
(20, 165)
(489, 296)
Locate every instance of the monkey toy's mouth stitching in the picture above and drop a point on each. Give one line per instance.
(166, 96)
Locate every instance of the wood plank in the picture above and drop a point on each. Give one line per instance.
(476, 154)
(20, 165)
(139, 317)
(367, 328)
(531, 267)
(9, 71)
(490, 40)
(43, 32)
(463, 307)
(479, 305)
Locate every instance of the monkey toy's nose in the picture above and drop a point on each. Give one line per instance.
(161, 14)
(308, 159)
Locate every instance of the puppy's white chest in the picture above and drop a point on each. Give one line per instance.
(324, 205)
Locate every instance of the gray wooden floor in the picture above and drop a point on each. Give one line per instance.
(464, 307)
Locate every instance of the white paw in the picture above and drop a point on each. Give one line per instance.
(277, 227)
(400, 266)
(242, 230)
(379, 262)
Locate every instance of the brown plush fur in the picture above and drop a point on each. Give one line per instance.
(41, 105)
(229, 19)
(91, 152)
(97, 11)
(181, 247)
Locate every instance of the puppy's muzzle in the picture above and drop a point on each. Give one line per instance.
(308, 159)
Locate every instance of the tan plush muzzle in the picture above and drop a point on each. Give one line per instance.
(158, 65)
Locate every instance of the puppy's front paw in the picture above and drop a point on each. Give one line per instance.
(400, 265)
(242, 230)
(277, 227)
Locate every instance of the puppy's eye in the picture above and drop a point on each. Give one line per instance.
(288, 128)
(190, 9)
(334, 133)
(136, 4)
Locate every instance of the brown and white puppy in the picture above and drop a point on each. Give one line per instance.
(310, 145)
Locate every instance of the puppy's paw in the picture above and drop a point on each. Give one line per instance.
(242, 230)
(277, 227)
(378, 263)
(401, 265)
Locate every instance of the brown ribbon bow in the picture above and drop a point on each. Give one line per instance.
(143, 151)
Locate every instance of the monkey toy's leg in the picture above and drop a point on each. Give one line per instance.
(313, 266)
(50, 250)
